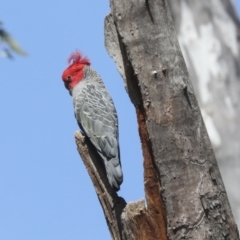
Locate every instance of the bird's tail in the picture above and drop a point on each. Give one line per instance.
(114, 172)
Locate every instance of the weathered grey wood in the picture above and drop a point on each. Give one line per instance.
(125, 222)
(138, 221)
(177, 151)
(209, 34)
(112, 45)
(111, 203)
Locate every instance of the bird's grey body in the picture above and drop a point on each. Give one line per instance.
(97, 117)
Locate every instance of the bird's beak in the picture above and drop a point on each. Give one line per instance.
(66, 85)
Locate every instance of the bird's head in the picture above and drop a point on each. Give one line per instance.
(74, 73)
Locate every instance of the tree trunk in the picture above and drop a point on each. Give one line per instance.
(185, 195)
(209, 34)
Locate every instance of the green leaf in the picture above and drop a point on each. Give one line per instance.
(13, 44)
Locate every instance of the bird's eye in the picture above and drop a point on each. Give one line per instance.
(69, 77)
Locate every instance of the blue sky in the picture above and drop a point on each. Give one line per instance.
(45, 192)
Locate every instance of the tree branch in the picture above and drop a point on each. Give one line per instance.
(111, 203)
(125, 222)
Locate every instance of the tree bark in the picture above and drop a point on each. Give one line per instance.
(209, 34)
(125, 222)
(111, 203)
(185, 195)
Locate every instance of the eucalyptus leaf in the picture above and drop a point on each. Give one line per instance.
(13, 44)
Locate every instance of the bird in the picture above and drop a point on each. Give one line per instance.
(95, 113)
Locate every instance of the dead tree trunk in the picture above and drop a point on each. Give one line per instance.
(209, 34)
(185, 195)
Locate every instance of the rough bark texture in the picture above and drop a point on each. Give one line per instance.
(209, 34)
(125, 222)
(182, 165)
(112, 204)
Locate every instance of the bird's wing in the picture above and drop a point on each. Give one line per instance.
(96, 115)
